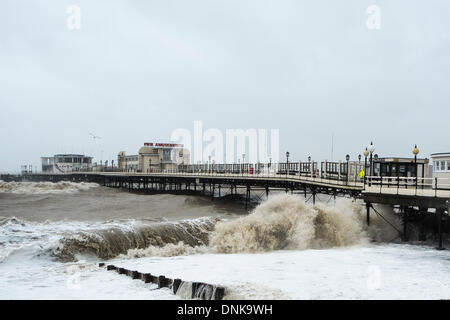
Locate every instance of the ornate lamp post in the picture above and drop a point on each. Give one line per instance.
(366, 153)
(347, 157)
(415, 152)
(287, 162)
(371, 149)
(310, 168)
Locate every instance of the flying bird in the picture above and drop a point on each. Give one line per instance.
(94, 136)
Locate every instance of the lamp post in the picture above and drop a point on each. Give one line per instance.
(347, 157)
(287, 162)
(366, 153)
(359, 158)
(371, 149)
(415, 152)
(310, 169)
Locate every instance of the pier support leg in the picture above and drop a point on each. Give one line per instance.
(422, 234)
(368, 213)
(267, 191)
(439, 217)
(314, 196)
(247, 197)
(405, 224)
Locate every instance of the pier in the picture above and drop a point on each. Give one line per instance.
(412, 196)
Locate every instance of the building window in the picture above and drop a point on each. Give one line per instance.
(166, 154)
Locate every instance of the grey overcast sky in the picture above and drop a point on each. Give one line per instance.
(138, 69)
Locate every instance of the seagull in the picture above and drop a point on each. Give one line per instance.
(94, 136)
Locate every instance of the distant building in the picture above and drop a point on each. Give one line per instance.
(441, 164)
(154, 157)
(63, 163)
(127, 162)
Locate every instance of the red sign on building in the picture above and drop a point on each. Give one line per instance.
(163, 145)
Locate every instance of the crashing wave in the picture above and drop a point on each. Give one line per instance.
(45, 187)
(111, 242)
(287, 222)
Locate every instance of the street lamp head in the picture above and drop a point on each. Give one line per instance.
(359, 157)
(287, 154)
(309, 158)
(375, 156)
(371, 147)
(415, 151)
(347, 157)
(366, 152)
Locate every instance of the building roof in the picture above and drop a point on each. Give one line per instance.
(401, 160)
(440, 154)
(71, 155)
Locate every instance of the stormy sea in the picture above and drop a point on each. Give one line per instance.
(53, 235)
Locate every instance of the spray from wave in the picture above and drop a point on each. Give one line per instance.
(45, 187)
(286, 222)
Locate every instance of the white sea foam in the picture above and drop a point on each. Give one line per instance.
(287, 222)
(45, 187)
(168, 250)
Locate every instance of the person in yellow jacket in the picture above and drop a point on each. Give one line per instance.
(361, 174)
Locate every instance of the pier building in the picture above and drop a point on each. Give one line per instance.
(154, 157)
(441, 164)
(66, 163)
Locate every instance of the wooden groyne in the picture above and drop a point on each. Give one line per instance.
(192, 290)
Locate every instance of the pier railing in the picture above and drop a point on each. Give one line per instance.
(417, 186)
(330, 171)
(429, 187)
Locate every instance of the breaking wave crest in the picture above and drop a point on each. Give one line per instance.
(137, 241)
(44, 187)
